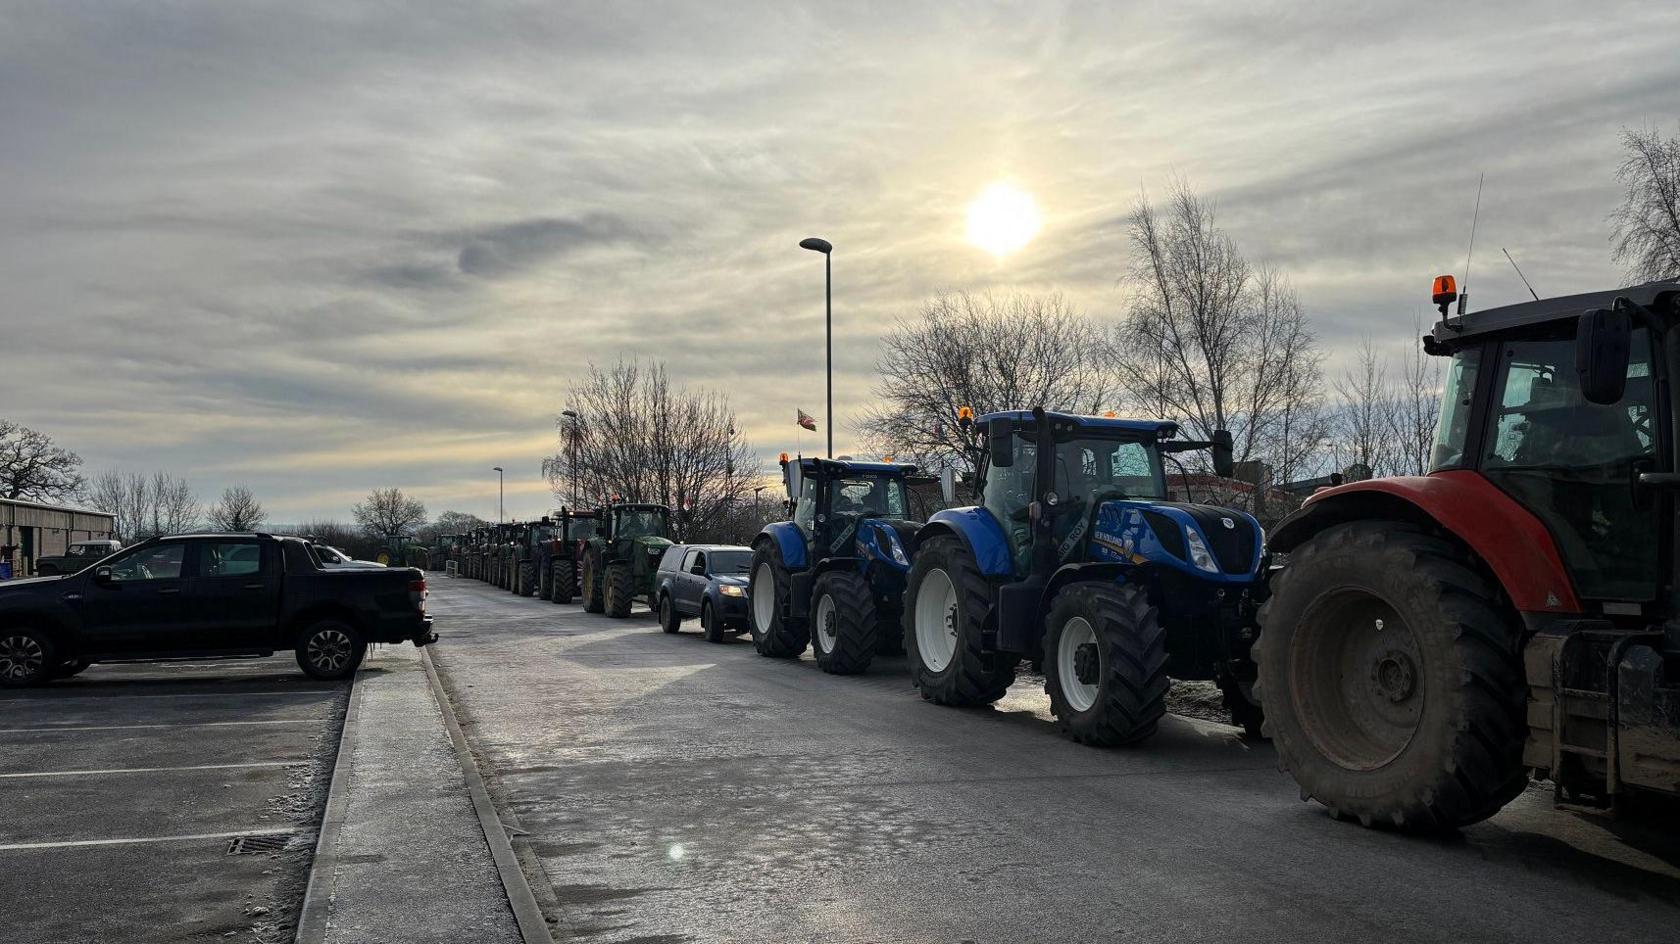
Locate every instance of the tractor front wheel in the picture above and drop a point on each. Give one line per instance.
(944, 614)
(1105, 666)
(564, 581)
(844, 627)
(1392, 679)
(774, 633)
(619, 589)
(526, 579)
(593, 595)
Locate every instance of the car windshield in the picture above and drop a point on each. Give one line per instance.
(725, 563)
(640, 522)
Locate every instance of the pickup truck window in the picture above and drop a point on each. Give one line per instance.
(159, 562)
(229, 559)
(699, 564)
(672, 557)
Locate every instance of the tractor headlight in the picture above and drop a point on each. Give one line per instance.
(732, 590)
(1199, 554)
(897, 551)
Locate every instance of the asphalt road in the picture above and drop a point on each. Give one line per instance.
(124, 789)
(674, 790)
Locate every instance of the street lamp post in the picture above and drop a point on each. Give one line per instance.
(818, 244)
(501, 494)
(571, 453)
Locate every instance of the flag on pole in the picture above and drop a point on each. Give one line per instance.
(807, 420)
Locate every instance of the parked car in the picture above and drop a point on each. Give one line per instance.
(206, 596)
(79, 556)
(331, 557)
(704, 580)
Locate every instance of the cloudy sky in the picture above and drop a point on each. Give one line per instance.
(316, 247)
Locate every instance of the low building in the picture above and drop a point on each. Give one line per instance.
(31, 530)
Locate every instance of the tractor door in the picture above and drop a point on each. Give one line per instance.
(806, 514)
(1576, 464)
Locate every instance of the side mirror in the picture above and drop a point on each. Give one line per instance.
(1224, 459)
(948, 486)
(1000, 444)
(1603, 342)
(102, 576)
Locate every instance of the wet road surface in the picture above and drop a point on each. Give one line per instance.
(674, 790)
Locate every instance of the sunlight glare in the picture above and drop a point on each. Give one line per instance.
(1002, 219)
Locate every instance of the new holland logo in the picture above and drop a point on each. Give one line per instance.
(1229, 524)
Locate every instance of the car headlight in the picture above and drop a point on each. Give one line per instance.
(1199, 554)
(731, 590)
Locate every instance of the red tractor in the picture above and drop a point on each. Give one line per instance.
(1431, 641)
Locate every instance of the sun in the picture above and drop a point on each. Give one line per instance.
(1002, 219)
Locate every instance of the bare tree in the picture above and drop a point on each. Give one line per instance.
(1216, 343)
(238, 510)
(34, 468)
(986, 353)
(1363, 435)
(639, 439)
(146, 505)
(1647, 236)
(389, 515)
(1417, 408)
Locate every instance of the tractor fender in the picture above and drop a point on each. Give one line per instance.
(979, 532)
(1105, 571)
(1513, 543)
(789, 540)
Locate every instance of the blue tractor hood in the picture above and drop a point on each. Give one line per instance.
(1209, 542)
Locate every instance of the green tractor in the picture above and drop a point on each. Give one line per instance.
(621, 557)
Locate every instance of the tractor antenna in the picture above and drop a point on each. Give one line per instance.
(1524, 278)
(1464, 296)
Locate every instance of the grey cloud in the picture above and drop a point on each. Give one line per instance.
(508, 249)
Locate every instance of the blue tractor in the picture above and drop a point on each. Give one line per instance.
(834, 576)
(1076, 558)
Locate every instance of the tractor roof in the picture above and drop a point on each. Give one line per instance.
(815, 464)
(1524, 314)
(1160, 429)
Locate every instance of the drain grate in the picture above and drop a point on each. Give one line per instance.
(250, 845)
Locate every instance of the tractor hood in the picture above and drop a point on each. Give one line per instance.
(651, 542)
(1208, 541)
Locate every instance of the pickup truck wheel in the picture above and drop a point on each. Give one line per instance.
(565, 581)
(710, 626)
(330, 650)
(594, 595)
(618, 590)
(669, 619)
(26, 657)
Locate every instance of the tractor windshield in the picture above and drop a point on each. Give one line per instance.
(868, 497)
(640, 523)
(1574, 463)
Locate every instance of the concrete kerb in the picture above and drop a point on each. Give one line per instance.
(317, 895)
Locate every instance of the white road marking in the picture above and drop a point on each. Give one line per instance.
(58, 698)
(172, 724)
(152, 770)
(69, 844)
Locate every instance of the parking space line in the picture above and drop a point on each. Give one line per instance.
(171, 724)
(152, 770)
(58, 698)
(73, 843)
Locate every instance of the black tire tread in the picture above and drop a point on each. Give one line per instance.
(1134, 648)
(979, 678)
(619, 590)
(856, 628)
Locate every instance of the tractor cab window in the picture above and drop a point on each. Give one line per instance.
(867, 497)
(640, 523)
(805, 504)
(1452, 431)
(1574, 463)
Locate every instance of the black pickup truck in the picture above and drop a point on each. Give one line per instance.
(207, 596)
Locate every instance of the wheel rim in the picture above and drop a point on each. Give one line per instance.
(1077, 649)
(763, 597)
(936, 621)
(329, 650)
(826, 635)
(1358, 680)
(21, 658)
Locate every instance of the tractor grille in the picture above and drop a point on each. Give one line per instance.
(1168, 533)
(1233, 548)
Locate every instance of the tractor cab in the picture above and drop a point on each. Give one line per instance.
(833, 498)
(1538, 602)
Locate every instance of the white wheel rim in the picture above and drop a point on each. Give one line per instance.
(1076, 632)
(936, 621)
(826, 635)
(764, 597)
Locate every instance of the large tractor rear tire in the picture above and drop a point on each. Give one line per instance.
(844, 628)
(527, 579)
(1105, 666)
(774, 634)
(545, 581)
(945, 610)
(564, 581)
(594, 596)
(1392, 679)
(620, 589)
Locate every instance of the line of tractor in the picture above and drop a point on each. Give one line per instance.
(1417, 648)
